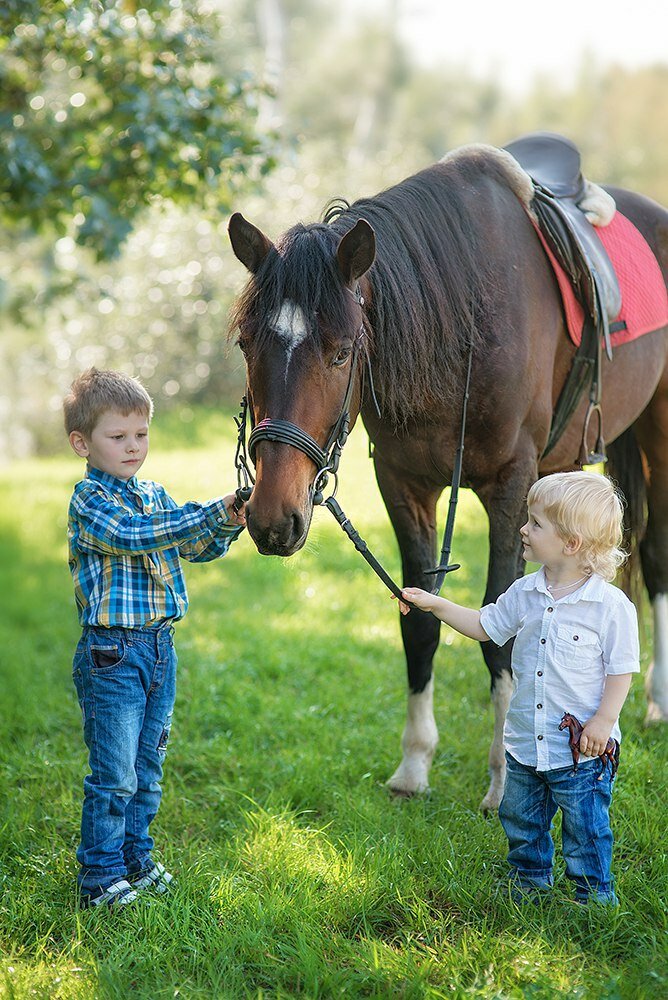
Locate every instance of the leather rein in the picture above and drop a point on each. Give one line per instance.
(326, 460)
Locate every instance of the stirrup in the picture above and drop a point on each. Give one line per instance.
(598, 455)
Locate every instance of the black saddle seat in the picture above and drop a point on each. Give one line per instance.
(553, 163)
(551, 160)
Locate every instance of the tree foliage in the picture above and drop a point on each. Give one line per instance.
(107, 108)
(170, 113)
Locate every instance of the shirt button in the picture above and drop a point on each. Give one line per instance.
(539, 705)
(576, 637)
(542, 642)
(540, 673)
(540, 737)
(550, 609)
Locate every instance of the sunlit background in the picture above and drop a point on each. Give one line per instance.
(286, 104)
(517, 42)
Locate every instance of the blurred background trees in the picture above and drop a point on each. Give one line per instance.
(130, 132)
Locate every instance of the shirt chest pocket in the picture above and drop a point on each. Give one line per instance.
(576, 645)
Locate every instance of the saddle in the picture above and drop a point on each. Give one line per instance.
(553, 163)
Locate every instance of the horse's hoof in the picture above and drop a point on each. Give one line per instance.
(405, 786)
(490, 804)
(404, 790)
(409, 779)
(655, 714)
(488, 809)
(400, 793)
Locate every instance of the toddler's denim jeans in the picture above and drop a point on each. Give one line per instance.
(530, 801)
(126, 681)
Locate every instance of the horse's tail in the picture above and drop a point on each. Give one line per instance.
(625, 467)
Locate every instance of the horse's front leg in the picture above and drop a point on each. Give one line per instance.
(504, 501)
(412, 510)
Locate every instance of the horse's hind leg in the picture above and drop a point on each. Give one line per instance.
(504, 501)
(652, 435)
(412, 510)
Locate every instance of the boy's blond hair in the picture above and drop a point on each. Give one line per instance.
(586, 506)
(95, 392)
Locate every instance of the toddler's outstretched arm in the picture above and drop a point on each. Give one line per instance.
(464, 620)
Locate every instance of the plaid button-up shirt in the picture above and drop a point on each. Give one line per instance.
(126, 539)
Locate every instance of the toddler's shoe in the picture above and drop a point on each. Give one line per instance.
(156, 878)
(521, 892)
(535, 895)
(119, 893)
(597, 898)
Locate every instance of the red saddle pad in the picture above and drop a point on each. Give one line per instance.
(644, 297)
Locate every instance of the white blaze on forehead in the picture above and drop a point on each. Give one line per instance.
(290, 324)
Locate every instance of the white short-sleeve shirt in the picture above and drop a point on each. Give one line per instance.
(562, 652)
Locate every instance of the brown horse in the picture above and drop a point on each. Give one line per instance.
(396, 287)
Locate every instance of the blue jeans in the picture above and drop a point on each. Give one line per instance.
(126, 683)
(530, 801)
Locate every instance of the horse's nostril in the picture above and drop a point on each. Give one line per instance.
(297, 526)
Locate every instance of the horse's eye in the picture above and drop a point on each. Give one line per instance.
(242, 344)
(342, 356)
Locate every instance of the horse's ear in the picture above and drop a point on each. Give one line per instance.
(248, 242)
(356, 251)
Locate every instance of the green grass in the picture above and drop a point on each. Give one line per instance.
(298, 875)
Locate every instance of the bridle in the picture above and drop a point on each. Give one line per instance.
(326, 459)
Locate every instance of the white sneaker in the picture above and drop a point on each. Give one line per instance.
(157, 878)
(119, 893)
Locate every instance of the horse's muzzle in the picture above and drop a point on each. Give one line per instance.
(277, 538)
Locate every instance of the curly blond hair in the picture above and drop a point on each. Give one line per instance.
(585, 506)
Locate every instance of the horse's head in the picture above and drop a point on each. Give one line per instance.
(567, 720)
(301, 332)
(573, 725)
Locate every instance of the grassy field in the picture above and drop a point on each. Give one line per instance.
(298, 876)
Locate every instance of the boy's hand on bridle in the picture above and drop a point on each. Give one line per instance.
(236, 510)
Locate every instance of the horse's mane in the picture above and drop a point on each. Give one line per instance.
(428, 286)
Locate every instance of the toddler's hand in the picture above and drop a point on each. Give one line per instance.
(234, 517)
(404, 608)
(422, 599)
(595, 736)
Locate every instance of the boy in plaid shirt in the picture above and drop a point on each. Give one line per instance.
(126, 539)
